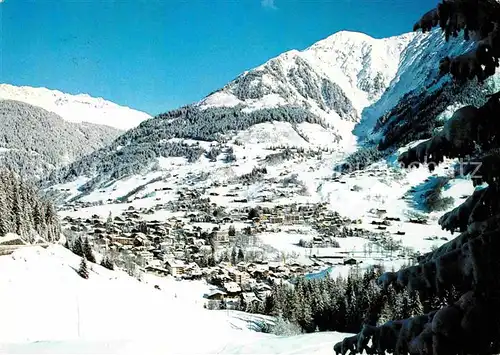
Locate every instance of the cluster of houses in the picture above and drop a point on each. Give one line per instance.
(181, 247)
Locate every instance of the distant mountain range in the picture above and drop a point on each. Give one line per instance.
(75, 108)
(42, 129)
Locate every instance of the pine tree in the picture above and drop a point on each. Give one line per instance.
(107, 263)
(241, 255)
(109, 222)
(414, 305)
(4, 229)
(234, 256)
(87, 251)
(222, 305)
(232, 231)
(22, 210)
(77, 247)
(83, 270)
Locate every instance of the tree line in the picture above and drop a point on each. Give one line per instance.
(24, 212)
(342, 304)
(138, 149)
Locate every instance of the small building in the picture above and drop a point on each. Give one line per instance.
(216, 295)
(249, 300)
(351, 261)
(238, 276)
(176, 267)
(232, 288)
(157, 270)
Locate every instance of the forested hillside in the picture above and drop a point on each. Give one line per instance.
(24, 212)
(34, 141)
(138, 149)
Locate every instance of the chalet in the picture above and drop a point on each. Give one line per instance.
(239, 277)
(276, 219)
(122, 240)
(249, 300)
(216, 295)
(176, 267)
(263, 290)
(156, 270)
(99, 230)
(276, 266)
(222, 236)
(104, 241)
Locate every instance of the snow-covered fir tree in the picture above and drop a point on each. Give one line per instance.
(83, 270)
(24, 212)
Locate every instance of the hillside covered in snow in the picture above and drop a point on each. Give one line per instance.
(47, 307)
(340, 95)
(34, 141)
(75, 108)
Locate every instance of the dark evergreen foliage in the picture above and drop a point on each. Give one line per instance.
(360, 159)
(433, 199)
(107, 263)
(138, 149)
(37, 141)
(24, 212)
(459, 281)
(342, 305)
(253, 213)
(87, 251)
(83, 270)
(414, 117)
(77, 247)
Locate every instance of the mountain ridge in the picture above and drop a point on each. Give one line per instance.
(76, 108)
(334, 96)
(34, 141)
(341, 60)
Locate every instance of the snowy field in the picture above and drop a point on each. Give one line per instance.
(47, 307)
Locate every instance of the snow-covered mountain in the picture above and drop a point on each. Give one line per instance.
(331, 96)
(339, 75)
(76, 108)
(34, 141)
(296, 117)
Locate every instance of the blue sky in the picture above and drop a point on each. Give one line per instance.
(155, 55)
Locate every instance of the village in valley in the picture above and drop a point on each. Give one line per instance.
(188, 236)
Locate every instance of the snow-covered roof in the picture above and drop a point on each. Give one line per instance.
(232, 287)
(176, 263)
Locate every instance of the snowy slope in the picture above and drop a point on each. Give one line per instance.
(339, 75)
(47, 307)
(75, 108)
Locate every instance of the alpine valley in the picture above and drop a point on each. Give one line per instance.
(289, 170)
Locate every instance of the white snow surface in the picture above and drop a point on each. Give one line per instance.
(47, 307)
(76, 108)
